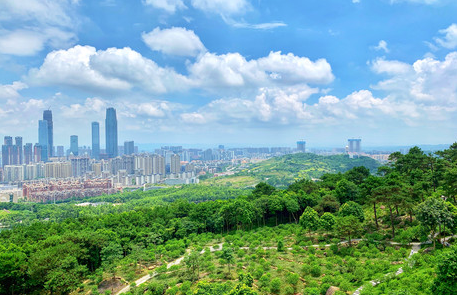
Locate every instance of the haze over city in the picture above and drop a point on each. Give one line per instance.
(232, 72)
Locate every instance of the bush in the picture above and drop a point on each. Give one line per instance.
(315, 270)
(275, 285)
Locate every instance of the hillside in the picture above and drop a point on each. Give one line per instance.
(284, 170)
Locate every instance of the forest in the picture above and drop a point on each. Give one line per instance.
(284, 170)
(388, 230)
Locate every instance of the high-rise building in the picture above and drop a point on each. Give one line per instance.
(37, 152)
(301, 146)
(74, 145)
(111, 133)
(354, 145)
(7, 151)
(96, 140)
(43, 139)
(47, 116)
(19, 158)
(79, 166)
(129, 147)
(60, 151)
(175, 166)
(158, 165)
(28, 153)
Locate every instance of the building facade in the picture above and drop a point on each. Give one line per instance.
(111, 133)
(96, 140)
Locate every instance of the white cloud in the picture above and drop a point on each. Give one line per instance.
(355, 1)
(36, 24)
(113, 69)
(382, 45)
(260, 26)
(222, 7)
(168, 5)
(449, 40)
(11, 91)
(233, 70)
(175, 41)
(392, 67)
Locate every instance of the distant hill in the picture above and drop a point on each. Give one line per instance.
(284, 170)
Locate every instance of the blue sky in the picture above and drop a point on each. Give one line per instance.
(236, 72)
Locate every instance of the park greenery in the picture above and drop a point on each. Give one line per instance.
(285, 170)
(343, 231)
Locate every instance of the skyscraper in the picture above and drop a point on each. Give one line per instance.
(43, 139)
(111, 133)
(129, 147)
(354, 145)
(96, 140)
(7, 151)
(301, 146)
(28, 153)
(18, 150)
(74, 145)
(47, 116)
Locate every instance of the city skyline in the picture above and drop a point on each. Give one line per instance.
(261, 73)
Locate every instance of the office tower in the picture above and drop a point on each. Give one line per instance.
(129, 147)
(19, 158)
(60, 151)
(7, 151)
(43, 139)
(47, 116)
(111, 133)
(74, 145)
(28, 153)
(207, 155)
(301, 146)
(354, 145)
(175, 166)
(221, 147)
(96, 140)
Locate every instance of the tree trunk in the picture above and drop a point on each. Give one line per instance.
(396, 209)
(392, 221)
(375, 215)
(410, 216)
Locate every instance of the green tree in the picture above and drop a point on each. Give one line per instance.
(432, 213)
(309, 220)
(275, 285)
(348, 226)
(327, 221)
(346, 191)
(192, 261)
(111, 254)
(445, 282)
(352, 208)
(227, 256)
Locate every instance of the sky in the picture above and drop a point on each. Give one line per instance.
(238, 72)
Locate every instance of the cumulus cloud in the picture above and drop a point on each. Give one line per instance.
(36, 24)
(86, 68)
(449, 40)
(222, 7)
(392, 67)
(175, 41)
(12, 91)
(233, 70)
(168, 5)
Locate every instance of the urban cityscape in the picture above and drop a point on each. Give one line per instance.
(44, 171)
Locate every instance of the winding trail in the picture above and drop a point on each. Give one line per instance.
(218, 247)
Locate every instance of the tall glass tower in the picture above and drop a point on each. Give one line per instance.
(74, 145)
(111, 133)
(96, 140)
(47, 116)
(43, 139)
